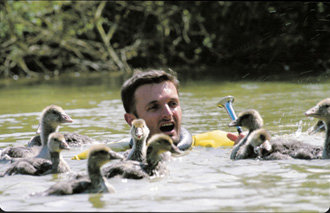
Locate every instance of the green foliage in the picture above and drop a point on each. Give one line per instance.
(201, 37)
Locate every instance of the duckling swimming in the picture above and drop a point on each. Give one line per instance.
(254, 145)
(51, 117)
(322, 112)
(72, 138)
(281, 148)
(41, 166)
(94, 182)
(139, 132)
(250, 119)
(260, 147)
(154, 164)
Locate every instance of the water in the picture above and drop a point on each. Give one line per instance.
(205, 179)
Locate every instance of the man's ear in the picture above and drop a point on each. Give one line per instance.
(129, 117)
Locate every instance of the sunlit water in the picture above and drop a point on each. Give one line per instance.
(204, 179)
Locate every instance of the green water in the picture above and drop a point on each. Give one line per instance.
(203, 180)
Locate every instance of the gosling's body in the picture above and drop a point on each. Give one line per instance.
(51, 117)
(279, 148)
(94, 182)
(154, 165)
(41, 166)
(299, 150)
(250, 119)
(253, 144)
(322, 112)
(72, 138)
(139, 132)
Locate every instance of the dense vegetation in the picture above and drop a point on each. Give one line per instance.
(196, 38)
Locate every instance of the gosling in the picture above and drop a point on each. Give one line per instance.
(250, 119)
(51, 117)
(41, 166)
(322, 112)
(139, 132)
(154, 166)
(93, 183)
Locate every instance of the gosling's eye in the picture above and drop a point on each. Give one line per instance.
(103, 152)
(262, 137)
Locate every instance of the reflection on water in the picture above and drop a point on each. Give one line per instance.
(205, 179)
(96, 200)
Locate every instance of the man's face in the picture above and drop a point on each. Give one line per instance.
(158, 104)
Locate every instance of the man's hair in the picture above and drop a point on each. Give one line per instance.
(141, 78)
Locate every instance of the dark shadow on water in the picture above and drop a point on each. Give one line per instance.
(115, 80)
(109, 80)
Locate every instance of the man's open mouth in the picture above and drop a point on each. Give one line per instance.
(167, 127)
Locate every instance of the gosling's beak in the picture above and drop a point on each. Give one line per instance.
(266, 145)
(64, 145)
(66, 118)
(312, 112)
(233, 123)
(139, 132)
(115, 155)
(175, 150)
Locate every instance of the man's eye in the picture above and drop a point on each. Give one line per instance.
(173, 104)
(153, 107)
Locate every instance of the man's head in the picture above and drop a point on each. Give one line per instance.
(154, 97)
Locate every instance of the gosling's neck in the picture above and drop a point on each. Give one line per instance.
(139, 150)
(326, 149)
(58, 163)
(95, 175)
(55, 158)
(153, 160)
(46, 130)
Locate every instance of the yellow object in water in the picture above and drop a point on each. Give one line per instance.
(213, 139)
(216, 138)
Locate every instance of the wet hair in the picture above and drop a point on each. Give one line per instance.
(141, 78)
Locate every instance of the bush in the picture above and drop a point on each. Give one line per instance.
(200, 38)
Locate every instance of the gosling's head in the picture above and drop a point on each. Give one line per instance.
(160, 143)
(99, 155)
(259, 139)
(250, 119)
(139, 129)
(56, 142)
(54, 116)
(320, 111)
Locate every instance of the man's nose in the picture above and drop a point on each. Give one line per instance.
(167, 112)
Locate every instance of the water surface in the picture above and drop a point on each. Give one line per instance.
(204, 179)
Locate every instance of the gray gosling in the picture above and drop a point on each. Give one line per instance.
(153, 166)
(139, 132)
(257, 142)
(322, 112)
(250, 119)
(94, 182)
(41, 166)
(51, 117)
(283, 149)
(72, 138)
